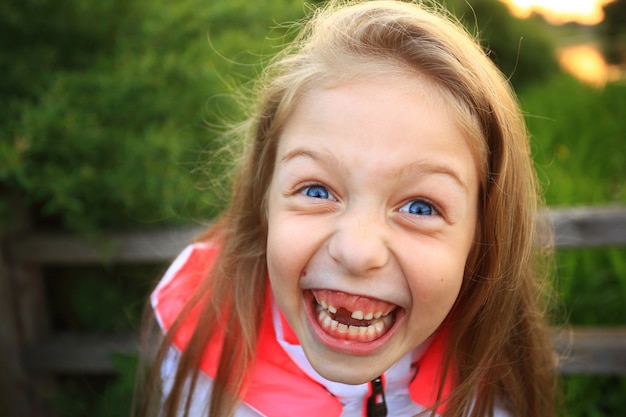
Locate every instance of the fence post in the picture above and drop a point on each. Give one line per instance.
(13, 398)
(23, 320)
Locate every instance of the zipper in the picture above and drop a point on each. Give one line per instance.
(376, 405)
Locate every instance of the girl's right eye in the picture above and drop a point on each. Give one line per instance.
(317, 191)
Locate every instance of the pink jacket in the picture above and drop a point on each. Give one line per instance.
(279, 385)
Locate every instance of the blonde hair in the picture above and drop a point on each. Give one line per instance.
(499, 349)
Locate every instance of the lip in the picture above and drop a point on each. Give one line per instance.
(348, 346)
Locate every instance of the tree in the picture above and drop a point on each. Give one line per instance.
(613, 30)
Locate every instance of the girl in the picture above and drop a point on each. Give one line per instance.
(375, 258)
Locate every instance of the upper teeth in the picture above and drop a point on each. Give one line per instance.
(358, 314)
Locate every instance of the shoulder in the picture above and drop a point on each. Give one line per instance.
(180, 281)
(188, 267)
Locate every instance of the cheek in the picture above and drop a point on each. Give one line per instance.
(275, 241)
(437, 282)
(292, 242)
(279, 274)
(275, 256)
(437, 297)
(284, 262)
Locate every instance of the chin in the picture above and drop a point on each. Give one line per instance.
(351, 378)
(351, 371)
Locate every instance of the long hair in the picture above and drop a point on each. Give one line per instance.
(499, 348)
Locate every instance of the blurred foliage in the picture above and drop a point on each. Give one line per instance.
(102, 396)
(594, 396)
(110, 107)
(107, 298)
(578, 140)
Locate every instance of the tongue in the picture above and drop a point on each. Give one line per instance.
(344, 316)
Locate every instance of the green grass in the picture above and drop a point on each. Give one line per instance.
(578, 138)
(579, 144)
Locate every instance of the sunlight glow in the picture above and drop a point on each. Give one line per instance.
(587, 12)
(587, 64)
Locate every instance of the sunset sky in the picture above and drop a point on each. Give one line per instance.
(587, 12)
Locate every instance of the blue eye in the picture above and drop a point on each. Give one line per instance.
(316, 191)
(418, 208)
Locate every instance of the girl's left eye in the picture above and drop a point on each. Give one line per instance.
(317, 191)
(418, 208)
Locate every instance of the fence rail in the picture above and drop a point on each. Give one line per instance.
(581, 350)
(573, 227)
(584, 350)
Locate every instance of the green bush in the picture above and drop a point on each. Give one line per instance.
(111, 105)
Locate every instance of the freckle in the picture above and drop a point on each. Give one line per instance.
(304, 273)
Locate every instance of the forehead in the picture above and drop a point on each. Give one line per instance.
(392, 75)
(371, 122)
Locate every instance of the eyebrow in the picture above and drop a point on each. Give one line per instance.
(325, 158)
(414, 169)
(419, 168)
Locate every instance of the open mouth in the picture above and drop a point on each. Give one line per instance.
(352, 317)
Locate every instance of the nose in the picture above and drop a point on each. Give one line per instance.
(358, 245)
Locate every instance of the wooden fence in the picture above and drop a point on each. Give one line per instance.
(30, 352)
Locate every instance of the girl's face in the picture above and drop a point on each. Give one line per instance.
(372, 213)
